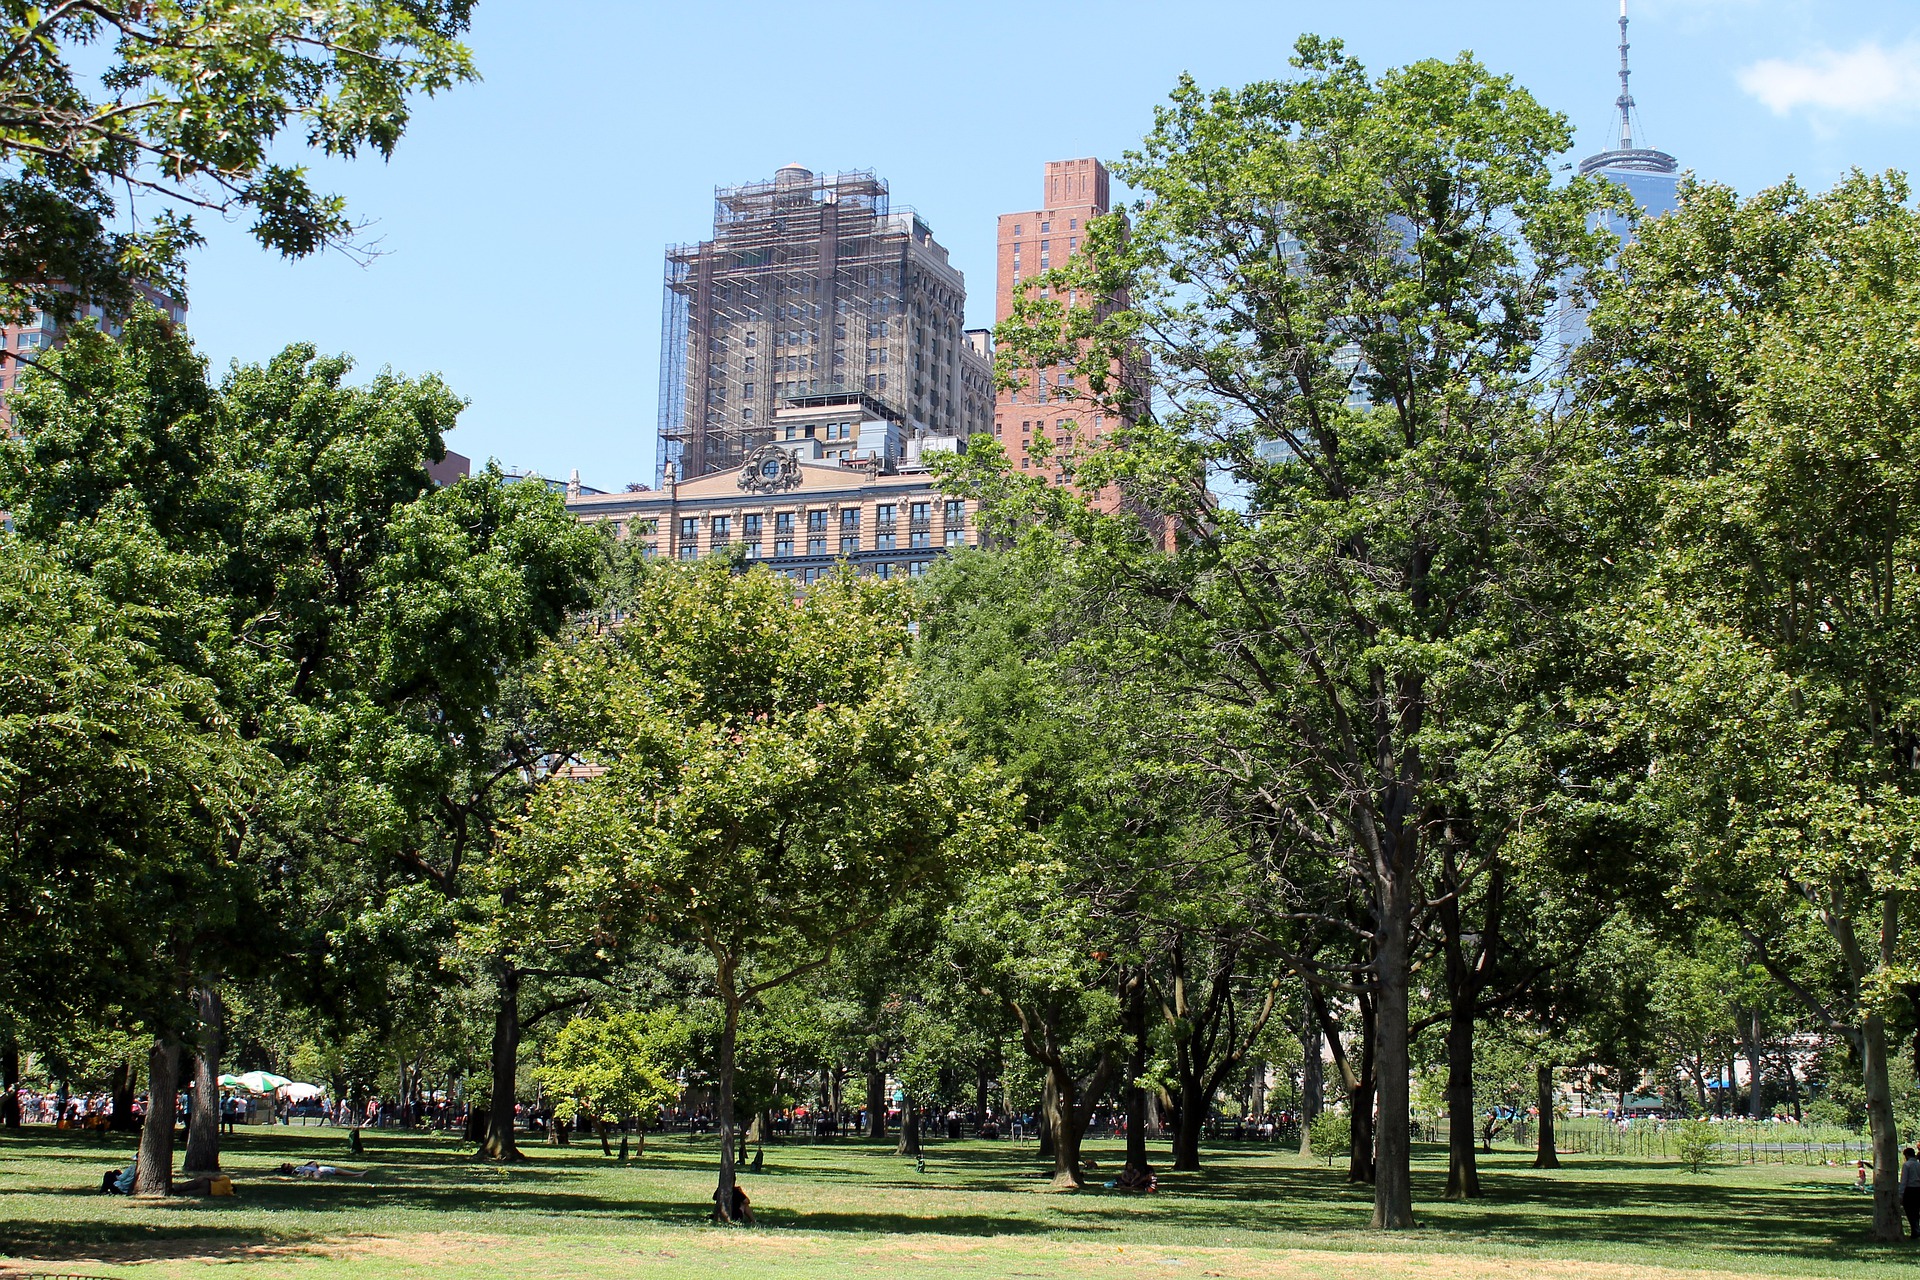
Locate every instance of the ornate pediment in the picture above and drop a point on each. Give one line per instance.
(770, 469)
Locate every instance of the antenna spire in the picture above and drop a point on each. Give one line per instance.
(1625, 102)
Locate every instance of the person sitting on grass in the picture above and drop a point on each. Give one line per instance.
(314, 1169)
(118, 1182)
(742, 1207)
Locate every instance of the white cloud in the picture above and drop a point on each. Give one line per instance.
(1871, 80)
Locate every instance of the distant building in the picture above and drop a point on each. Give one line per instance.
(451, 469)
(812, 290)
(1651, 177)
(43, 332)
(1049, 404)
(798, 514)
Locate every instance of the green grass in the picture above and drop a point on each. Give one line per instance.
(848, 1210)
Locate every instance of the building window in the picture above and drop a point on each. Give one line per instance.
(956, 510)
(850, 519)
(816, 546)
(650, 550)
(849, 546)
(921, 512)
(723, 525)
(688, 528)
(956, 538)
(1073, 224)
(918, 569)
(753, 551)
(812, 575)
(816, 521)
(782, 547)
(920, 538)
(750, 526)
(689, 552)
(783, 522)
(883, 541)
(884, 570)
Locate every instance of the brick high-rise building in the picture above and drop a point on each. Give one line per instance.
(43, 332)
(1045, 406)
(814, 294)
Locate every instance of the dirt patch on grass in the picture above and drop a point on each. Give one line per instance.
(802, 1254)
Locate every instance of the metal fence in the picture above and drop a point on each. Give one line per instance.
(1735, 1143)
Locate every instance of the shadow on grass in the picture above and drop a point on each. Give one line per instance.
(1593, 1204)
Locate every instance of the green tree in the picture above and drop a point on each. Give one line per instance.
(353, 619)
(1343, 283)
(1754, 358)
(192, 101)
(768, 788)
(617, 1066)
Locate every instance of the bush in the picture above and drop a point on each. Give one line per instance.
(1695, 1142)
(1331, 1135)
(1827, 1111)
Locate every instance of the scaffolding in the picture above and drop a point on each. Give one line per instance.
(812, 285)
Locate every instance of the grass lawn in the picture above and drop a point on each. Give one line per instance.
(846, 1211)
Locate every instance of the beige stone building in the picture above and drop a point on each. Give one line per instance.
(796, 507)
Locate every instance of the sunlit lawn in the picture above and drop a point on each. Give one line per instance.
(980, 1209)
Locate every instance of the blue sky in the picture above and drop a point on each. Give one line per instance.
(522, 220)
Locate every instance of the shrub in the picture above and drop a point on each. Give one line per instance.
(1695, 1142)
(1331, 1134)
(1827, 1111)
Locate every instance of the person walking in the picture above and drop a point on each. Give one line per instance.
(1910, 1191)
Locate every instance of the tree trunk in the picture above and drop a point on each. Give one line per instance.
(500, 1144)
(126, 1083)
(1045, 1147)
(203, 1111)
(723, 1110)
(153, 1175)
(600, 1127)
(980, 1096)
(1059, 1109)
(1755, 1108)
(1194, 1105)
(1313, 1080)
(1136, 1091)
(876, 1102)
(1393, 1176)
(10, 1081)
(1546, 1154)
(1463, 1169)
(1887, 1224)
(909, 1126)
(1361, 1161)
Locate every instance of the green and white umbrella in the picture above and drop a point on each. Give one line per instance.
(262, 1081)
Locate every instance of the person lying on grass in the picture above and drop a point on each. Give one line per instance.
(313, 1169)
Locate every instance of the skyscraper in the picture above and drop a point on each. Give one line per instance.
(813, 294)
(1044, 406)
(1651, 177)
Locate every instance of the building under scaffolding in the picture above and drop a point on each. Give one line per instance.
(813, 292)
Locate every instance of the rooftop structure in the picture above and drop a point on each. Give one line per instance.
(1651, 177)
(812, 286)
